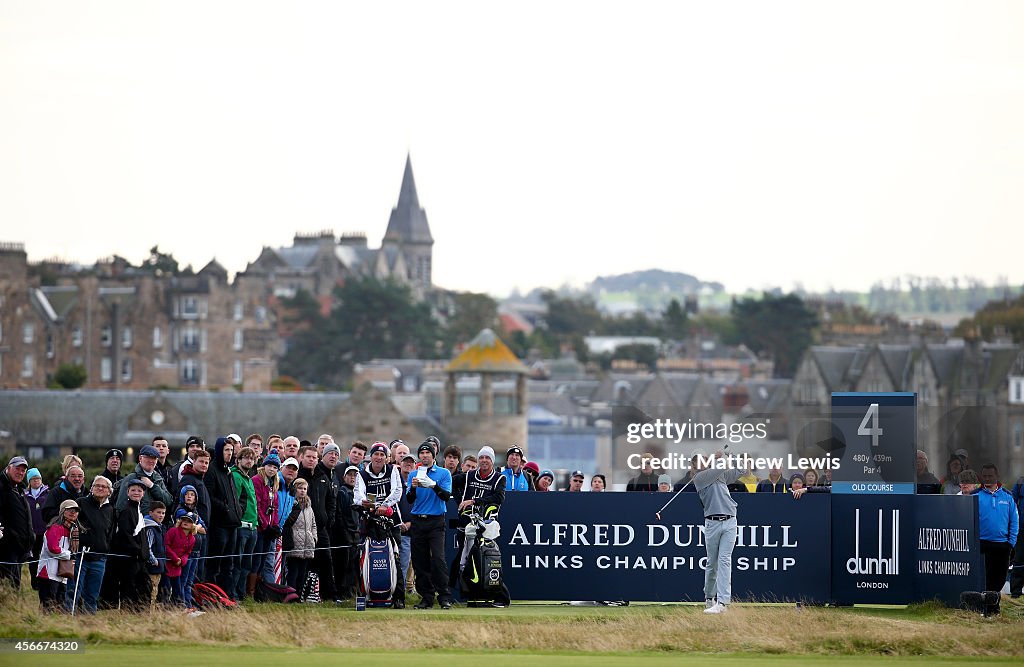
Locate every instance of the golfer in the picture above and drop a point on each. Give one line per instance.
(719, 530)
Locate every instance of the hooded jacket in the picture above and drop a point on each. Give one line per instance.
(300, 531)
(225, 511)
(191, 480)
(157, 555)
(322, 496)
(35, 508)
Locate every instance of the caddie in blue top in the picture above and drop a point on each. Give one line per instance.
(998, 527)
(430, 487)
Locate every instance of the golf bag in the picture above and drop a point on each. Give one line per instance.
(481, 577)
(378, 562)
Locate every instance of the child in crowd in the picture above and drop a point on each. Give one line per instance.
(155, 541)
(188, 500)
(179, 542)
(300, 536)
(59, 541)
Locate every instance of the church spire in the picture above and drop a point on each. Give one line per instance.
(408, 223)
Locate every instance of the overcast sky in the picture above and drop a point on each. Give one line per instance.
(755, 144)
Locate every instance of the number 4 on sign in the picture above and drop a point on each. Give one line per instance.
(873, 430)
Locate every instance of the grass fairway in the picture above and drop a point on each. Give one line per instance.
(648, 634)
(104, 656)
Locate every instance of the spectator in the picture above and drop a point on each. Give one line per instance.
(964, 459)
(59, 542)
(515, 478)
(156, 553)
(926, 481)
(72, 487)
(576, 482)
(951, 482)
(152, 482)
(289, 473)
(196, 476)
(429, 490)
(532, 470)
(969, 483)
(774, 482)
(275, 444)
(646, 480)
(810, 477)
(255, 442)
(323, 498)
(684, 483)
(1017, 574)
(290, 447)
(189, 504)
(999, 526)
(300, 535)
(384, 481)
(178, 545)
(545, 480)
(321, 442)
(356, 454)
(469, 463)
(96, 516)
(399, 450)
(749, 481)
(163, 467)
(265, 486)
(244, 572)
(67, 462)
(225, 516)
(452, 459)
(346, 534)
(16, 541)
(826, 478)
(35, 496)
(598, 483)
(193, 446)
(796, 485)
(130, 544)
(112, 471)
(664, 484)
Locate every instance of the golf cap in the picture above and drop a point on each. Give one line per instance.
(291, 461)
(577, 473)
(351, 469)
(135, 482)
(234, 436)
(149, 450)
(18, 461)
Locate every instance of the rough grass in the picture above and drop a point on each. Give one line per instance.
(920, 630)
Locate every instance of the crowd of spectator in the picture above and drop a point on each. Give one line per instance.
(291, 512)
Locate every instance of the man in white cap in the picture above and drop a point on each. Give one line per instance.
(484, 491)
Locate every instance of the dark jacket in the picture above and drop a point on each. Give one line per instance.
(323, 496)
(766, 486)
(170, 482)
(114, 477)
(98, 525)
(346, 519)
(125, 541)
(192, 478)
(155, 546)
(158, 491)
(58, 494)
(643, 482)
(224, 506)
(18, 535)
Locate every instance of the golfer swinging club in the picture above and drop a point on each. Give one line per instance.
(719, 529)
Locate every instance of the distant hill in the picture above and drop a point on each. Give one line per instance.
(652, 280)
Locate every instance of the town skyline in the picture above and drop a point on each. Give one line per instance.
(766, 146)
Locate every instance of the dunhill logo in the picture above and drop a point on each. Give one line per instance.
(879, 565)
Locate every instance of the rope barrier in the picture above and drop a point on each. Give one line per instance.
(240, 555)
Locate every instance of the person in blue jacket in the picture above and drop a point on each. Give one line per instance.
(997, 516)
(1017, 574)
(516, 478)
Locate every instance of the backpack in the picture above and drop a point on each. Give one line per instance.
(267, 592)
(212, 596)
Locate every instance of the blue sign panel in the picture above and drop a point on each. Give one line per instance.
(947, 556)
(877, 443)
(609, 546)
(872, 549)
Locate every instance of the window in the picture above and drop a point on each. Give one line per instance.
(28, 332)
(467, 404)
(189, 307)
(1, 331)
(1018, 435)
(126, 337)
(409, 383)
(239, 310)
(49, 345)
(27, 366)
(190, 339)
(261, 314)
(238, 340)
(189, 371)
(158, 337)
(126, 370)
(105, 335)
(76, 335)
(236, 373)
(504, 404)
(106, 369)
(1016, 390)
